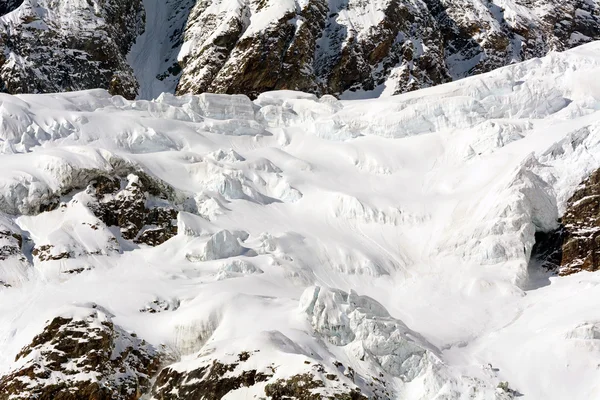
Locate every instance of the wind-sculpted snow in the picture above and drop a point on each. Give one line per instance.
(364, 327)
(297, 246)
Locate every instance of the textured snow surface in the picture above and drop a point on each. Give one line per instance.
(391, 235)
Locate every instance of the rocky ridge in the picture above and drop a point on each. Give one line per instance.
(69, 45)
(82, 357)
(317, 46)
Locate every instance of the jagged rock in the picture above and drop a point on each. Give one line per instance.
(317, 48)
(46, 253)
(581, 221)
(10, 245)
(83, 357)
(480, 36)
(211, 382)
(215, 379)
(14, 265)
(62, 46)
(305, 387)
(253, 46)
(323, 47)
(160, 305)
(127, 208)
(575, 245)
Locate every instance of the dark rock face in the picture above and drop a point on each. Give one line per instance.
(7, 6)
(314, 49)
(63, 46)
(85, 358)
(575, 246)
(13, 261)
(215, 379)
(318, 46)
(208, 382)
(123, 203)
(482, 36)
(328, 48)
(11, 244)
(302, 386)
(581, 247)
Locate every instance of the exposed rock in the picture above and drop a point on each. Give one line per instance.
(10, 245)
(128, 208)
(215, 379)
(160, 305)
(575, 245)
(480, 36)
(253, 46)
(50, 46)
(211, 382)
(46, 253)
(82, 358)
(302, 387)
(318, 48)
(14, 265)
(324, 47)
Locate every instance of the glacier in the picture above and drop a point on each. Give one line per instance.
(374, 248)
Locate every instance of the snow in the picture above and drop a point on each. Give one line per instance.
(390, 234)
(155, 51)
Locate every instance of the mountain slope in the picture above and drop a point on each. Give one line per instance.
(348, 48)
(300, 247)
(379, 46)
(50, 46)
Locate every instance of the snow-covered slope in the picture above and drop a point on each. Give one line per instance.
(296, 246)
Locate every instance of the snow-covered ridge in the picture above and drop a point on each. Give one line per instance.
(349, 48)
(375, 248)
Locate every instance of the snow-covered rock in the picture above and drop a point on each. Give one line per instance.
(50, 46)
(403, 226)
(86, 354)
(350, 48)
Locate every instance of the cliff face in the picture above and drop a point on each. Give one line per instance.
(383, 46)
(316, 46)
(342, 47)
(66, 45)
(575, 245)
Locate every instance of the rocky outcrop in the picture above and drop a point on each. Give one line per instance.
(210, 382)
(84, 357)
(318, 47)
(14, 265)
(480, 36)
(253, 46)
(575, 245)
(215, 379)
(323, 47)
(124, 203)
(50, 46)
